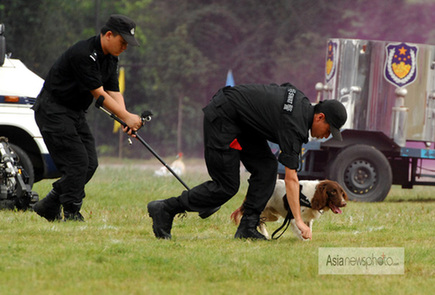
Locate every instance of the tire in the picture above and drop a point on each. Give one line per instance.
(25, 162)
(364, 173)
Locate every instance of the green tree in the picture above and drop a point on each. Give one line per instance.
(187, 47)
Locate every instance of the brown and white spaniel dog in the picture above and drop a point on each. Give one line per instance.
(323, 195)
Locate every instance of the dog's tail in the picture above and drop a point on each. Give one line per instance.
(236, 216)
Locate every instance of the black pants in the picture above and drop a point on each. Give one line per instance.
(223, 164)
(71, 146)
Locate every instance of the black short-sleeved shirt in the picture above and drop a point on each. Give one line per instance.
(80, 69)
(280, 114)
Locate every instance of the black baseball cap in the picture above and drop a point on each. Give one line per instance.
(335, 115)
(125, 26)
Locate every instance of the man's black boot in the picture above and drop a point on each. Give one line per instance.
(71, 212)
(248, 228)
(49, 207)
(163, 212)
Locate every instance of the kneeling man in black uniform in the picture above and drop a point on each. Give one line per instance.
(238, 122)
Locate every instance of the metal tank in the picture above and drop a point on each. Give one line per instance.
(388, 89)
(392, 89)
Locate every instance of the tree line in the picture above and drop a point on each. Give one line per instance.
(188, 46)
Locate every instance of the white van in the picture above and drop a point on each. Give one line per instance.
(19, 88)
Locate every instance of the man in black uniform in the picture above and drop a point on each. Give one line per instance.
(87, 70)
(238, 122)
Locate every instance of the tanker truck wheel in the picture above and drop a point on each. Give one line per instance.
(363, 171)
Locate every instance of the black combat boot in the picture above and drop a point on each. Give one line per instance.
(248, 228)
(49, 207)
(163, 212)
(71, 212)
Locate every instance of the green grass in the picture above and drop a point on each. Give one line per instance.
(115, 251)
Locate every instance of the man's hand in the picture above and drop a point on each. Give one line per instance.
(114, 103)
(305, 229)
(133, 121)
(292, 191)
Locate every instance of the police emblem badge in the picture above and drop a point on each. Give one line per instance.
(400, 64)
(330, 60)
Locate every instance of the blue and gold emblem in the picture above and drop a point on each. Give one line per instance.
(401, 64)
(331, 63)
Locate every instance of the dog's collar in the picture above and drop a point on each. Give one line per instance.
(303, 201)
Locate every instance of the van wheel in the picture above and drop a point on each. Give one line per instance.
(364, 172)
(25, 162)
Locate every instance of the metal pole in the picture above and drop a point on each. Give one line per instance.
(99, 105)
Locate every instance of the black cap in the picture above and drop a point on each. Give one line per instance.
(335, 115)
(125, 26)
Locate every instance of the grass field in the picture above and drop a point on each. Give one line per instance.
(115, 251)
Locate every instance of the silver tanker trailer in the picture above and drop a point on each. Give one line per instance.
(388, 89)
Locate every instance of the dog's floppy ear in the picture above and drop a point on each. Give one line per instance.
(320, 197)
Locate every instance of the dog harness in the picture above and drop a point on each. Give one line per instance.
(303, 201)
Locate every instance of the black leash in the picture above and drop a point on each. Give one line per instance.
(303, 200)
(285, 224)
